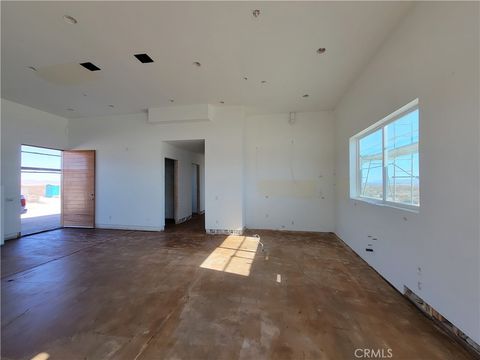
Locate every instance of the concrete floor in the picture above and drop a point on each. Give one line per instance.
(111, 294)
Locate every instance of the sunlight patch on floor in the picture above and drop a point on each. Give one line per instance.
(235, 255)
(41, 356)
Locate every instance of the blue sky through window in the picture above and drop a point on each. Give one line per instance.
(401, 158)
(41, 158)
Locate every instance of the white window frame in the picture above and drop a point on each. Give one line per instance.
(355, 181)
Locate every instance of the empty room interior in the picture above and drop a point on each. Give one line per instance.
(240, 180)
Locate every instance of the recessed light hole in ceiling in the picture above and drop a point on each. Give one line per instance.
(321, 50)
(144, 58)
(305, 96)
(197, 64)
(256, 13)
(69, 19)
(90, 66)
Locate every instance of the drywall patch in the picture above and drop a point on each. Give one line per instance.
(66, 74)
(289, 188)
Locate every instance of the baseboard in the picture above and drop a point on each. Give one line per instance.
(292, 231)
(225, 231)
(128, 227)
(450, 329)
(442, 322)
(12, 236)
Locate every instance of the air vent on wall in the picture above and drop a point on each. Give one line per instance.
(143, 58)
(90, 66)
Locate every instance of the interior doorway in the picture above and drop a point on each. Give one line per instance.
(40, 194)
(185, 185)
(171, 168)
(195, 189)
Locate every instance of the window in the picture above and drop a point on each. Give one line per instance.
(384, 161)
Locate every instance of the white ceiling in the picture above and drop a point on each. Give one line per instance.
(195, 146)
(279, 46)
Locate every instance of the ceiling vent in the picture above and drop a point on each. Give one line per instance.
(90, 66)
(143, 58)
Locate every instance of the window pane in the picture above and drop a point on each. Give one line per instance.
(370, 162)
(401, 156)
(37, 157)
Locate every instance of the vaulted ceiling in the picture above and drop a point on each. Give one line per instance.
(267, 63)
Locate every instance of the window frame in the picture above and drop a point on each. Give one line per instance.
(355, 176)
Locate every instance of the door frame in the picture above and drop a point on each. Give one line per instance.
(197, 170)
(20, 234)
(175, 188)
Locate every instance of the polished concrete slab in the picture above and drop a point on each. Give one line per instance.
(112, 294)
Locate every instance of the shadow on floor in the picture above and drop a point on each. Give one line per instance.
(195, 225)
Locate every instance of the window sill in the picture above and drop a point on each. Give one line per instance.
(411, 209)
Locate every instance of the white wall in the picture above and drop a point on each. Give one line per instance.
(433, 55)
(289, 172)
(131, 150)
(2, 237)
(24, 125)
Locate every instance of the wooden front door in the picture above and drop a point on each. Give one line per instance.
(78, 188)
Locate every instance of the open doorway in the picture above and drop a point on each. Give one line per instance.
(195, 189)
(185, 185)
(171, 167)
(41, 178)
